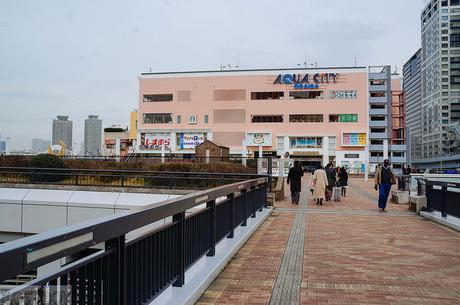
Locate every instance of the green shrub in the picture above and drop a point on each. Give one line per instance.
(46, 161)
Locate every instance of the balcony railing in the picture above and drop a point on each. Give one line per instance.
(378, 111)
(134, 272)
(383, 123)
(374, 88)
(378, 135)
(380, 99)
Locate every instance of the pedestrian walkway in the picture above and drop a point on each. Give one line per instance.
(352, 254)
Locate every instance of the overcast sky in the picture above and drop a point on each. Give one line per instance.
(83, 57)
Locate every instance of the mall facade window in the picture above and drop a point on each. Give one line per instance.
(206, 119)
(276, 118)
(149, 98)
(273, 95)
(305, 95)
(305, 118)
(179, 119)
(306, 142)
(343, 118)
(157, 118)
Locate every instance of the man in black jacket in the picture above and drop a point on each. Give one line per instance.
(294, 180)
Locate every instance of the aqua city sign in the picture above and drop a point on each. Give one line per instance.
(306, 81)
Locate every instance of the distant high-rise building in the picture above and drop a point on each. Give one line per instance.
(412, 88)
(386, 118)
(4, 146)
(93, 135)
(40, 145)
(440, 81)
(62, 131)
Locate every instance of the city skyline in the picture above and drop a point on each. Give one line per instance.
(70, 69)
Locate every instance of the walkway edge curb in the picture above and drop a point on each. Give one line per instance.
(201, 275)
(444, 222)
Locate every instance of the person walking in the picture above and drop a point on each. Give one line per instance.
(343, 180)
(384, 179)
(294, 181)
(320, 184)
(331, 180)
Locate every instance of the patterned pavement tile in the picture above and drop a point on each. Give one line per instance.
(352, 255)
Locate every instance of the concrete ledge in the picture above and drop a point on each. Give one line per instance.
(449, 221)
(400, 197)
(416, 203)
(203, 272)
(114, 189)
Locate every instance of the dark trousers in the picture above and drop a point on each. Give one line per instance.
(384, 192)
(295, 197)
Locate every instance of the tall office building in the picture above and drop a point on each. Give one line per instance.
(93, 135)
(386, 118)
(62, 131)
(412, 88)
(40, 145)
(4, 146)
(440, 80)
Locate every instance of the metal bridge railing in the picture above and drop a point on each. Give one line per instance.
(119, 178)
(443, 197)
(137, 271)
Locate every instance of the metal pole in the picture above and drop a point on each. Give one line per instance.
(269, 172)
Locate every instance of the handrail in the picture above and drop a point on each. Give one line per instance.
(26, 254)
(442, 183)
(32, 169)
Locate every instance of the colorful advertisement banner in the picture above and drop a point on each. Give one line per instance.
(155, 141)
(354, 139)
(259, 139)
(191, 140)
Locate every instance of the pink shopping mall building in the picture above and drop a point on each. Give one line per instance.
(316, 115)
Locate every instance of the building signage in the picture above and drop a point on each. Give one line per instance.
(353, 139)
(155, 141)
(352, 156)
(259, 139)
(191, 140)
(343, 94)
(306, 81)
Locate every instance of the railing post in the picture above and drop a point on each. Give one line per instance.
(122, 180)
(222, 180)
(117, 271)
(212, 206)
(269, 169)
(180, 260)
(244, 193)
(428, 194)
(443, 201)
(231, 198)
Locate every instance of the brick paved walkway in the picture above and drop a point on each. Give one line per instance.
(352, 255)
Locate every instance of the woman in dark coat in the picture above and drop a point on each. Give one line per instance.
(294, 181)
(331, 180)
(343, 181)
